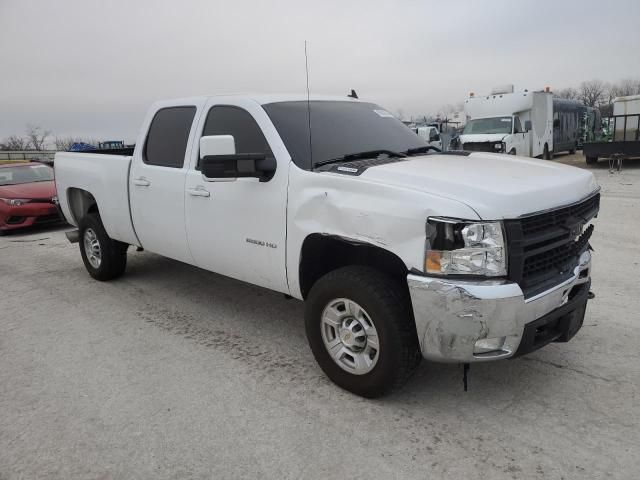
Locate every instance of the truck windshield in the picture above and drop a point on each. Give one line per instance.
(488, 125)
(338, 128)
(25, 174)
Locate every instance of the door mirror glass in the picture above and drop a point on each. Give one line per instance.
(527, 125)
(217, 145)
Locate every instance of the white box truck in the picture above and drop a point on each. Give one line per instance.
(517, 123)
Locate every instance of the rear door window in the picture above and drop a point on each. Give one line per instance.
(168, 136)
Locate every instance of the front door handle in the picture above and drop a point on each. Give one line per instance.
(141, 182)
(198, 192)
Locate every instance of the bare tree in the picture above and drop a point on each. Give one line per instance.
(591, 92)
(568, 93)
(628, 86)
(14, 142)
(37, 137)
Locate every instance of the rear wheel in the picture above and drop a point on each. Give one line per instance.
(103, 257)
(546, 153)
(360, 328)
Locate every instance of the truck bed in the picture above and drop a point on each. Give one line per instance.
(106, 177)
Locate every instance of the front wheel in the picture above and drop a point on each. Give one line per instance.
(546, 153)
(360, 328)
(103, 257)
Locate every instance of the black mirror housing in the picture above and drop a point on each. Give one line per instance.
(240, 165)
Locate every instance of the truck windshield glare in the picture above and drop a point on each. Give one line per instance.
(488, 125)
(338, 129)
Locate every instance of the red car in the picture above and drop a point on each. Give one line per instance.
(27, 195)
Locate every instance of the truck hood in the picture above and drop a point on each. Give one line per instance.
(496, 186)
(483, 137)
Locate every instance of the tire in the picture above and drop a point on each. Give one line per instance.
(512, 151)
(546, 154)
(106, 259)
(591, 160)
(379, 302)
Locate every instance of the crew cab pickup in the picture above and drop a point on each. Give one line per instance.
(400, 252)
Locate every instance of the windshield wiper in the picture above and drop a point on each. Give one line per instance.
(361, 155)
(425, 149)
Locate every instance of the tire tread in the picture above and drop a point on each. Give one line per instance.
(396, 304)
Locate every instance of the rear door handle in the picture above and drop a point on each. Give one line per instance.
(198, 192)
(141, 182)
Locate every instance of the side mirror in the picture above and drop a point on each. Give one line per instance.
(527, 125)
(556, 123)
(217, 145)
(219, 160)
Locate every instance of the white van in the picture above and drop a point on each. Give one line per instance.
(517, 123)
(430, 134)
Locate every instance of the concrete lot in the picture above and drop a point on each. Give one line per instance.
(174, 372)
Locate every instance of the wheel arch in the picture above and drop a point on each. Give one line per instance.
(322, 253)
(81, 202)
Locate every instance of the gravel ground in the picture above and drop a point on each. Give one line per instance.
(174, 372)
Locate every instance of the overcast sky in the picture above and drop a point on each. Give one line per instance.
(91, 68)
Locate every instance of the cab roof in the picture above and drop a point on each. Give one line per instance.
(266, 98)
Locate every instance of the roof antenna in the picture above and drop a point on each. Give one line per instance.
(353, 94)
(306, 66)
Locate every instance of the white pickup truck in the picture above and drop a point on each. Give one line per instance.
(399, 253)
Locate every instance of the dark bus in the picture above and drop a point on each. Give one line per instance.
(568, 125)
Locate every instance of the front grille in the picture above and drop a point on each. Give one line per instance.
(544, 248)
(558, 218)
(480, 147)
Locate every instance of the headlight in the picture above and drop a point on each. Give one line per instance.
(499, 146)
(14, 202)
(458, 247)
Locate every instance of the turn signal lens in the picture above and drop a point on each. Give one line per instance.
(433, 261)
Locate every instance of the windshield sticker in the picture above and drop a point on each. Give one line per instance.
(508, 120)
(383, 113)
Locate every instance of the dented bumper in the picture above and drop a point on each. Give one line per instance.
(473, 321)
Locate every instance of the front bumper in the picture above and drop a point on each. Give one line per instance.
(27, 215)
(456, 320)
